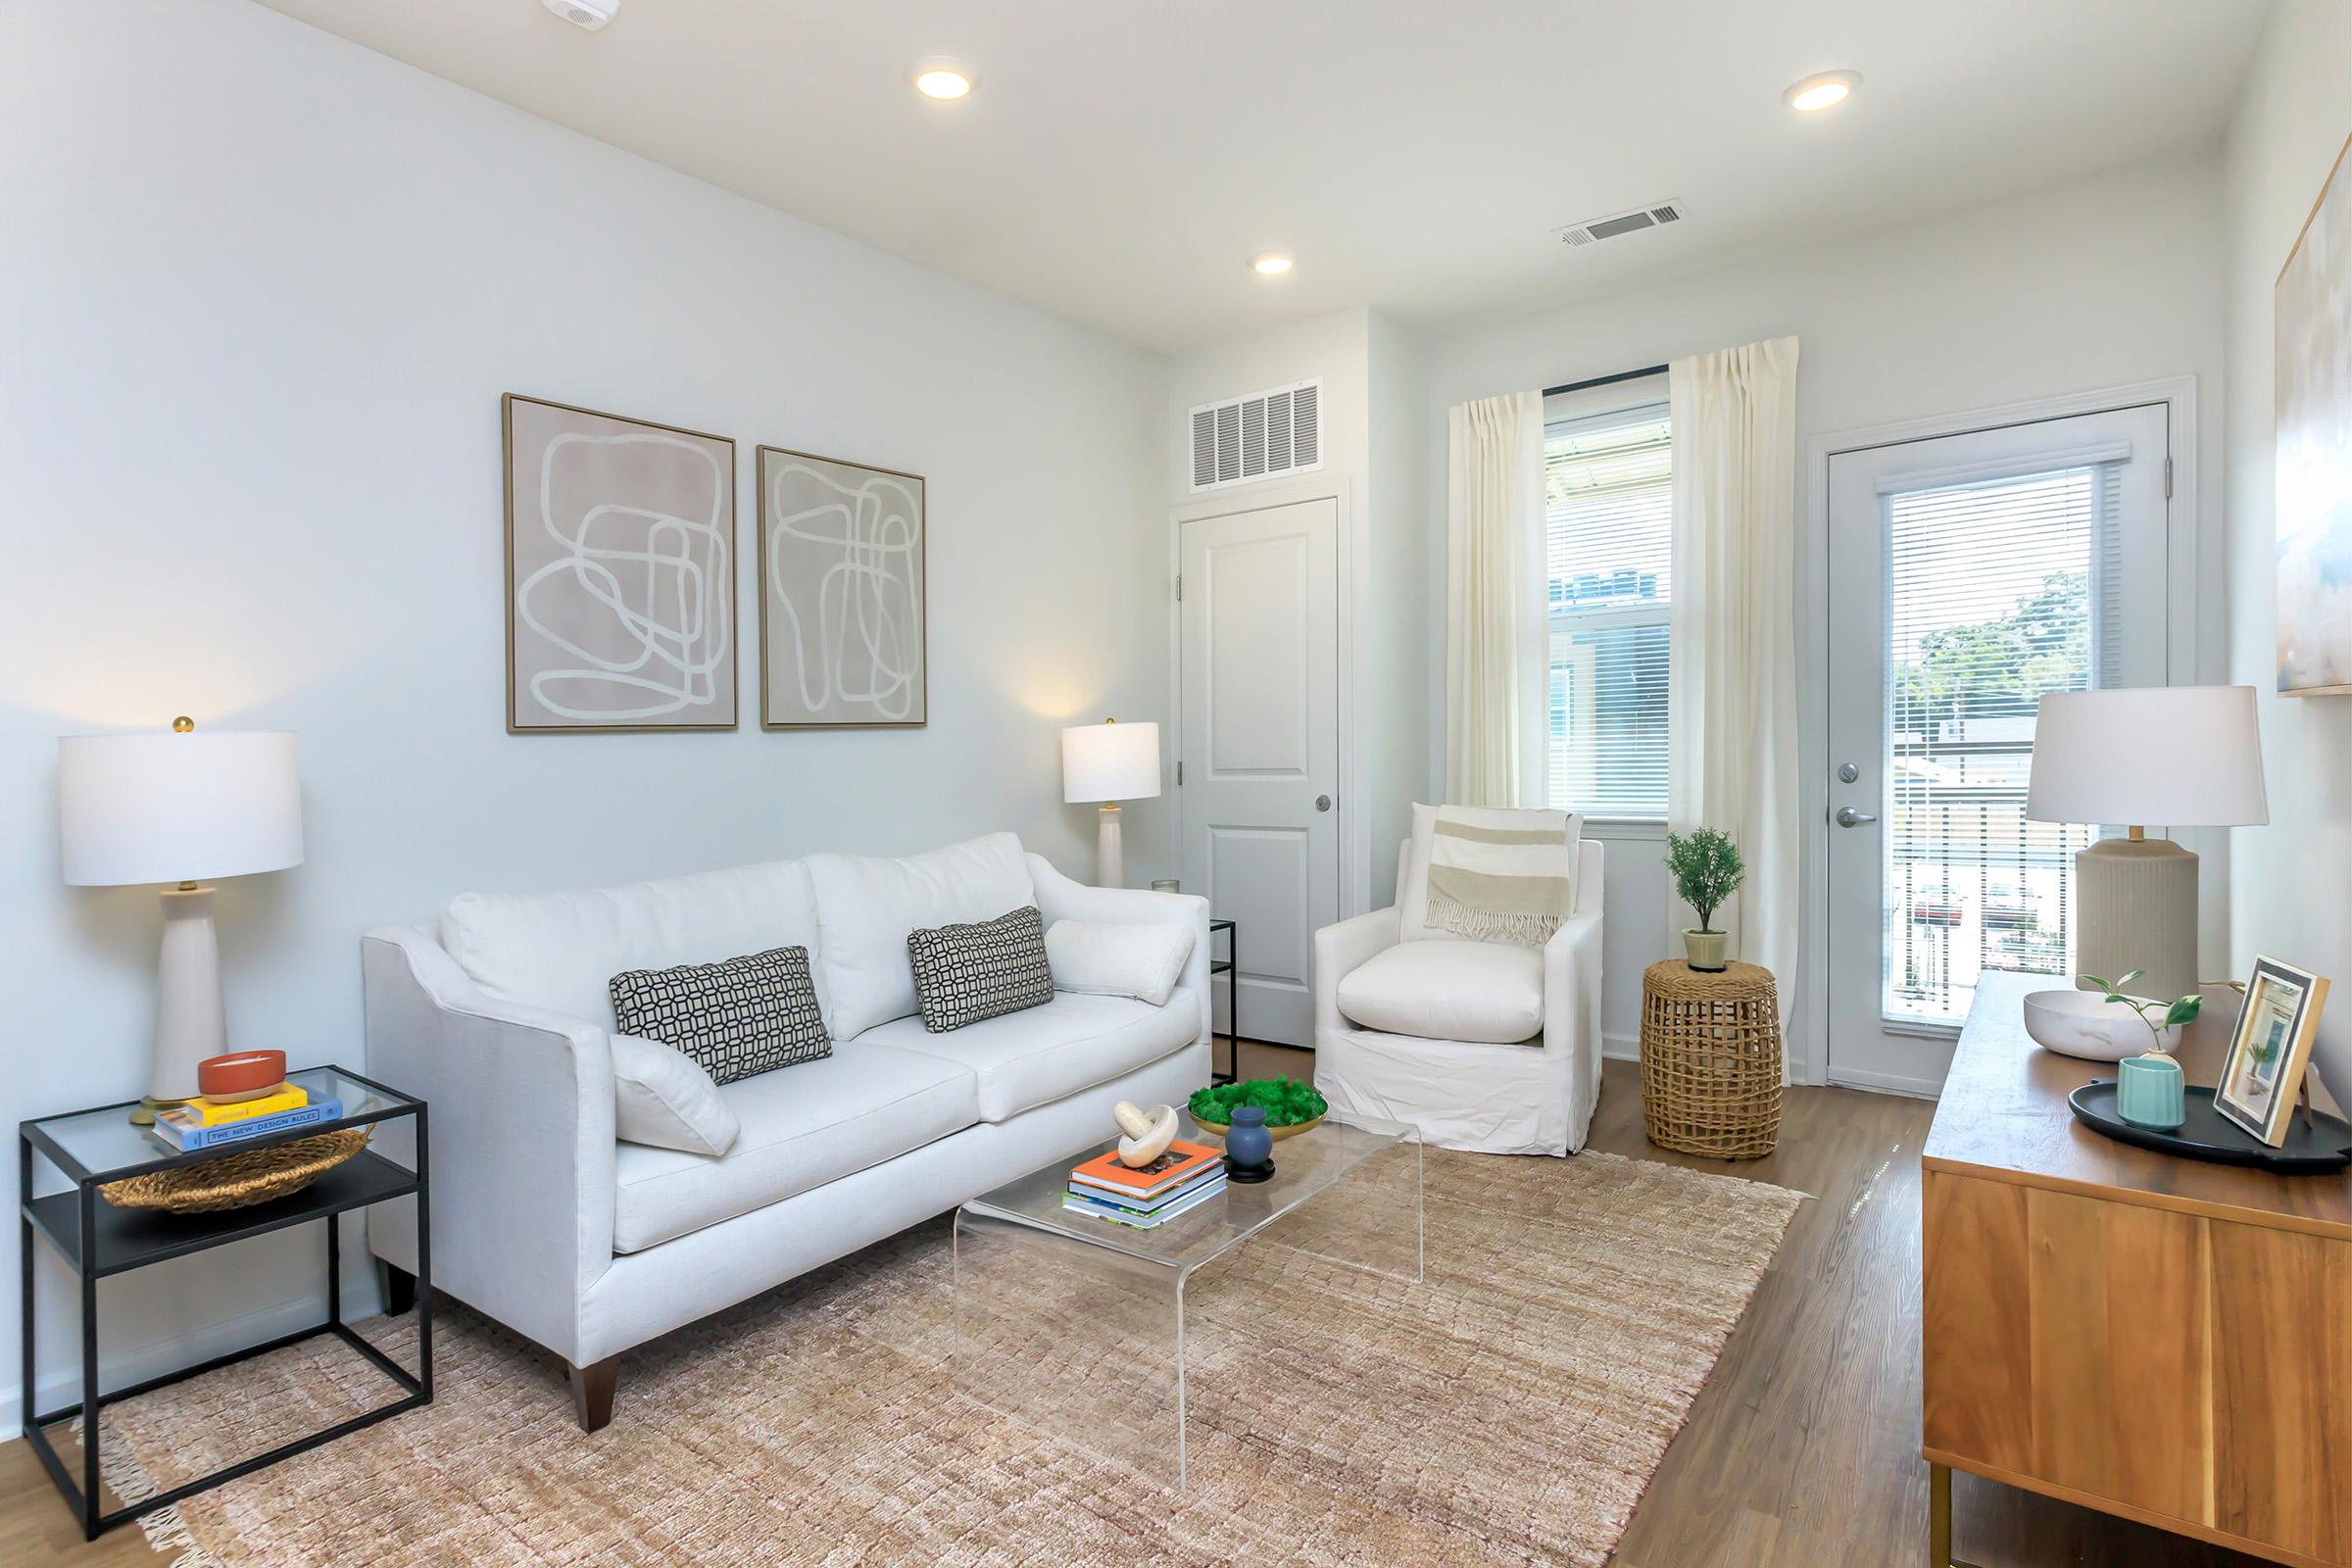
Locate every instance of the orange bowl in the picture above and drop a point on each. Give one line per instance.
(240, 1075)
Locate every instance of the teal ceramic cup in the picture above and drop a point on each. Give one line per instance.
(2148, 1092)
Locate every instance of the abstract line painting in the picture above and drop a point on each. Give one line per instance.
(841, 593)
(620, 573)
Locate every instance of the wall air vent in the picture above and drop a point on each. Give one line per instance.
(1631, 221)
(1242, 440)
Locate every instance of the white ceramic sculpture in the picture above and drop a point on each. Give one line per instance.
(1148, 1133)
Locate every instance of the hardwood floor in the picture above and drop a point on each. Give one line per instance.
(1802, 1450)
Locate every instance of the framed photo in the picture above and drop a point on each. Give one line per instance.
(620, 573)
(842, 595)
(2262, 1076)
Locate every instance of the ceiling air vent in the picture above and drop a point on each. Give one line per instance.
(1242, 440)
(1631, 221)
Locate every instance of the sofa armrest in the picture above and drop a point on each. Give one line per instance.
(1343, 948)
(520, 1101)
(1061, 897)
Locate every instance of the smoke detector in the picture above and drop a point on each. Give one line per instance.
(588, 13)
(1632, 220)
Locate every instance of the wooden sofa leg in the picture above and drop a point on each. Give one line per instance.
(592, 1393)
(400, 1288)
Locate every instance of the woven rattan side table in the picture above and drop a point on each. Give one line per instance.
(1711, 1060)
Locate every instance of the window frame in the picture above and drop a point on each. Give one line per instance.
(1624, 403)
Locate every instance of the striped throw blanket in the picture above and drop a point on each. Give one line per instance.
(1502, 876)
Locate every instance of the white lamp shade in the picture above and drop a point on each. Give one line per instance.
(177, 807)
(1111, 761)
(2175, 755)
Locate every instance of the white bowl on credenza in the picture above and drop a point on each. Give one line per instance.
(2086, 1024)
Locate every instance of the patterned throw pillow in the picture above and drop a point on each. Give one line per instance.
(735, 1019)
(965, 973)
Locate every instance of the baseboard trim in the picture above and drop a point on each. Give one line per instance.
(363, 1297)
(1620, 1047)
(1886, 1083)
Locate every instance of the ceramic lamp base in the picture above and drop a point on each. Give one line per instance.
(1110, 859)
(191, 1023)
(2139, 912)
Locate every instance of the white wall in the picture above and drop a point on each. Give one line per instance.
(2101, 284)
(264, 289)
(2287, 880)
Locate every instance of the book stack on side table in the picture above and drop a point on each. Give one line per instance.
(1185, 1176)
(203, 1123)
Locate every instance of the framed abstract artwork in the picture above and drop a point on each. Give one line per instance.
(842, 595)
(2313, 503)
(620, 573)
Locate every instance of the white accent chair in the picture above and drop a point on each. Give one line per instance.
(1483, 1045)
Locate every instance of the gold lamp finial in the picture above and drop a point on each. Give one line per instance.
(182, 725)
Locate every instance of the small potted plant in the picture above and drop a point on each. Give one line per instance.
(1707, 872)
(2148, 1090)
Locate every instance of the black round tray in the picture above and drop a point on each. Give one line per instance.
(2323, 1146)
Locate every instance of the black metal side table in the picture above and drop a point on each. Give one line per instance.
(96, 1239)
(1232, 997)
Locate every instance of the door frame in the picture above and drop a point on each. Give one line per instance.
(1354, 824)
(2192, 648)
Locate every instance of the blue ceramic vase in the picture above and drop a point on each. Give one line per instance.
(1248, 1147)
(2148, 1092)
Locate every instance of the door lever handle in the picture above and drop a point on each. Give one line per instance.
(1847, 816)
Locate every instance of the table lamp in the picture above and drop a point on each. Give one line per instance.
(1109, 762)
(2179, 756)
(179, 808)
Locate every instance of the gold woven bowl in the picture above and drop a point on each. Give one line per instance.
(240, 1180)
(1278, 1133)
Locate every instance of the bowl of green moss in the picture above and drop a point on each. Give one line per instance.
(1292, 1107)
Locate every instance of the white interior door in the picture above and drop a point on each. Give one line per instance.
(1259, 755)
(1968, 576)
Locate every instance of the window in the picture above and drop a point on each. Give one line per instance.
(1608, 500)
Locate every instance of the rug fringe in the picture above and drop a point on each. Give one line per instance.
(165, 1531)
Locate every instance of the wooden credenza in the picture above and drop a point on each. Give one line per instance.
(2162, 1338)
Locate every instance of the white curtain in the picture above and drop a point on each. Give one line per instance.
(1731, 734)
(1494, 602)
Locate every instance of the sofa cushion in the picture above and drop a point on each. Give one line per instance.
(866, 906)
(1030, 1058)
(736, 1019)
(663, 1098)
(560, 950)
(820, 1121)
(1487, 992)
(1143, 960)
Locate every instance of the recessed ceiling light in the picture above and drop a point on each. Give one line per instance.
(1825, 91)
(588, 13)
(1272, 263)
(938, 76)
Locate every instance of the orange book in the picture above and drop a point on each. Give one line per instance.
(1180, 1163)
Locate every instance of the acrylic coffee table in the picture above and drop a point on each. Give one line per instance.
(1076, 1326)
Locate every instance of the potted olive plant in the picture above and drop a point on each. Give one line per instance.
(1707, 872)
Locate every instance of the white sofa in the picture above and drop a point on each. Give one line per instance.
(499, 1018)
(1483, 1045)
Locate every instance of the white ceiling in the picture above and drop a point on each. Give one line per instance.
(1121, 160)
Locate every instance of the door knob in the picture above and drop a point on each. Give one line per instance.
(1847, 816)
(1322, 803)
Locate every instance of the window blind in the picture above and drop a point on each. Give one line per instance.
(1998, 591)
(1608, 491)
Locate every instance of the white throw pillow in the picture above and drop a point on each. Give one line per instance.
(1412, 893)
(1143, 960)
(868, 904)
(660, 1096)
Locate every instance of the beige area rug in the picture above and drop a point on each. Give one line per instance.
(1509, 1409)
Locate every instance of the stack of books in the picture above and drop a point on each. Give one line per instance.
(202, 1123)
(1185, 1176)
